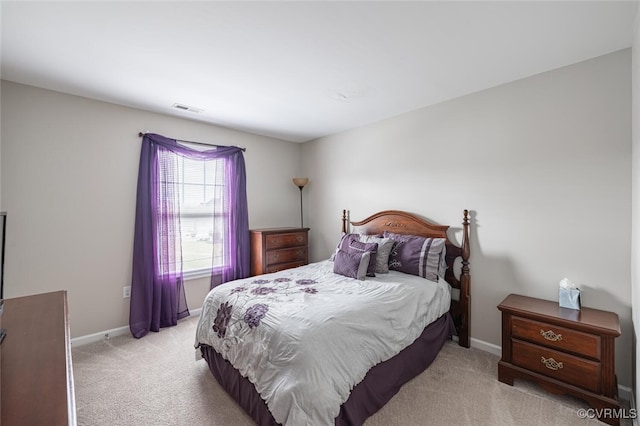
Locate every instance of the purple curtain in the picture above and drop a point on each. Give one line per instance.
(157, 292)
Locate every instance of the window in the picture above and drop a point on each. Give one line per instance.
(200, 184)
(186, 197)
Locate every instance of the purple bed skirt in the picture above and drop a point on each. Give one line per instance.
(380, 384)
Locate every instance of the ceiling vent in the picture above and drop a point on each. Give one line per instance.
(183, 107)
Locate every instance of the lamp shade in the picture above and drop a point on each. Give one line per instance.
(300, 182)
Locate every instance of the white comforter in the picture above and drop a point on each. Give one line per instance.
(306, 336)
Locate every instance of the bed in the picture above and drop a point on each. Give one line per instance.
(332, 342)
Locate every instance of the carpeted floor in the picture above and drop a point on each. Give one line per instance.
(157, 381)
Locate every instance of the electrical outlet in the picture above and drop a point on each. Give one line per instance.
(126, 292)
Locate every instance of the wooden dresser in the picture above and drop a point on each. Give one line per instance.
(275, 249)
(563, 350)
(36, 373)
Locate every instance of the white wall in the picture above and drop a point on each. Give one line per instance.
(69, 174)
(635, 238)
(543, 163)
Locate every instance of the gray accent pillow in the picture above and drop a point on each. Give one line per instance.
(416, 255)
(372, 248)
(353, 265)
(384, 249)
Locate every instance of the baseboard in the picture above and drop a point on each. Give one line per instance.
(485, 346)
(624, 392)
(101, 335)
(632, 406)
(107, 334)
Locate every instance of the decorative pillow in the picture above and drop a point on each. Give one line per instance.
(372, 248)
(417, 255)
(343, 244)
(384, 249)
(442, 268)
(353, 265)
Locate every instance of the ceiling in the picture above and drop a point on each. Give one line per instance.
(298, 70)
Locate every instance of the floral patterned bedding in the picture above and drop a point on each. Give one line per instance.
(306, 336)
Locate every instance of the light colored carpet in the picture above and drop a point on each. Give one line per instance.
(157, 381)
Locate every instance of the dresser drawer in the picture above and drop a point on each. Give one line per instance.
(561, 366)
(286, 255)
(275, 249)
(291, 239)
(283, 266)
(560, 338)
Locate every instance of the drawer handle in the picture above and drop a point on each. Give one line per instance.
(299, 238)
(550, 335)
(551, 363)
(274, 241)
(275, 256)
(299, 253)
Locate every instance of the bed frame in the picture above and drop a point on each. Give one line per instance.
(384, 380)
(406, 223)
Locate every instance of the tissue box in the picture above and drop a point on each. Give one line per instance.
(569, 298)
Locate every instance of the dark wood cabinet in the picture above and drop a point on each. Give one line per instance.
(275, 249)
(563, 350)
(36, 372)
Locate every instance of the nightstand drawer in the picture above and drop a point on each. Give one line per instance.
(561, 366)
(286, 255)
(556, 337)
(292, 239)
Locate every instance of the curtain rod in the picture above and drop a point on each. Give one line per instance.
(200, 143)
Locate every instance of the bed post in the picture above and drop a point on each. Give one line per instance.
(344, 221)
(465, 284)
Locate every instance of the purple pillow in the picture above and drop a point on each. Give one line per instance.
(417, 255)
(352, 265)
(343, 244)
(372, 248)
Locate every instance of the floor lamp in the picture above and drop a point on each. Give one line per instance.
(300, 183)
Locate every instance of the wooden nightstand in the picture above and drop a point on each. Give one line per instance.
(563, 350)
(275, 249)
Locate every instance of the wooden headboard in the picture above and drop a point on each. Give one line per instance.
(401, 222)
